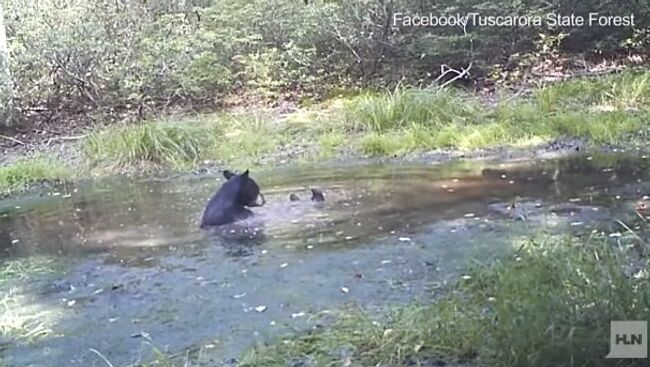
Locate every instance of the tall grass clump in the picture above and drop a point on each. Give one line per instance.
(19, 175)
(244, 139)
(404, 107)
(549, 303)
(629, 90)
(160, 143)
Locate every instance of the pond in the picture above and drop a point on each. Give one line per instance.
(129, 271)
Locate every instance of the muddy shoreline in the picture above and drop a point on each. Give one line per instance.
(70, 154)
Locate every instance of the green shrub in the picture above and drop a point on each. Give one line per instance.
(81, 56)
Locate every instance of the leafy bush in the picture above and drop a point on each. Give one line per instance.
(82, 56)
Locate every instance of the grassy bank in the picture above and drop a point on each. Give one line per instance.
(606, 110)
(32, 170)
(603, 111)
(548, 304)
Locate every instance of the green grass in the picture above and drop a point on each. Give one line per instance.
(158, 143)
(548, 304)
(611, 109)
(405, 107)
(628, 90)
(604, 110)
(245, 139)
(184, 143)
(19, 175)
(330, 143)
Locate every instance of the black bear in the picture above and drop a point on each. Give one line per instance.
(250, 194)
(229, 203)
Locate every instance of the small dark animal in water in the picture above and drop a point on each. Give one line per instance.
(316, 195)
(229, 203)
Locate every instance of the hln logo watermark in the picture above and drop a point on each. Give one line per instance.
(628, 339)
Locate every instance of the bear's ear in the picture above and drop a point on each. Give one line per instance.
(228, 174)
(245, 174)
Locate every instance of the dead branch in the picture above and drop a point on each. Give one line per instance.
(64, 138)
(78, 137)
(81, 83)
(446, 69)
(344, 42)
(13, 139)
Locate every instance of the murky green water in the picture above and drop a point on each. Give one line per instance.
(137, 271)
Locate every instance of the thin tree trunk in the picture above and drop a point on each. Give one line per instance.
(6, 83)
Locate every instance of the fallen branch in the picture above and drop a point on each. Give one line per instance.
(446, 69)
(78, 137)
(50, 140)
(13, 139)
(459, 74)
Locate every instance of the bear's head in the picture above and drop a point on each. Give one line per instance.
(229, 203)
(249, 194)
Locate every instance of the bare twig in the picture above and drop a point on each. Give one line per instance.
(461, 74)
(445, 69)
(64, 138)
(344, 42)
(78, 137)
(13, 139)
(81, 83)
(519, 92)
(633, 233)
(101, 356)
